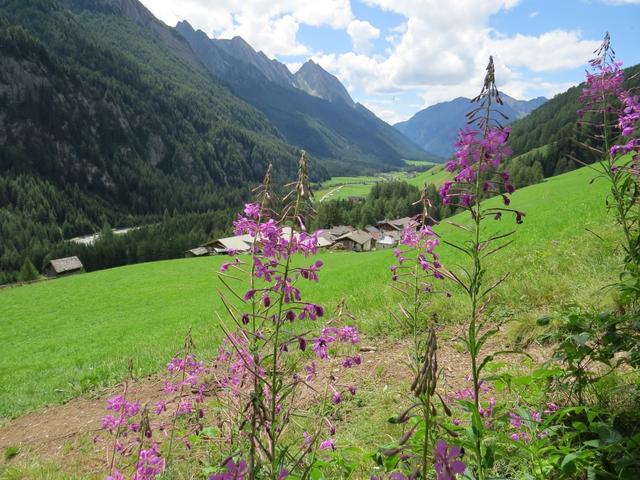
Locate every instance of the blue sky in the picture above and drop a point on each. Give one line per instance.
(399, 56)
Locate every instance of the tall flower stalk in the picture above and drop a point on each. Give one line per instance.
(414, 276)
(481, 150)
(262, 377)
(608, 108)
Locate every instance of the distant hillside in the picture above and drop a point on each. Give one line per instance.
(311, 108)
(106, 115)
(436, 128)
(548, 135)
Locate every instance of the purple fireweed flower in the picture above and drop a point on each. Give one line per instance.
(446, 461)
(516, 420)
(234, 472)
(327, 444)
(352, 389)
(252, 210)
(311, 371)
(476, 154)
(250, 294)
(150, 464)
(160, 407)
(115, 475)
(551, 407)
(307, 438)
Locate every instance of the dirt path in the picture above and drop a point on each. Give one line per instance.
(330, 193)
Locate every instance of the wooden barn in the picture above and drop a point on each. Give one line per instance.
(358, 241)
(62, 266)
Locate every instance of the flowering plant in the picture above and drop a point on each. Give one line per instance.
(261, 379)
(480, 154)
(608, 107)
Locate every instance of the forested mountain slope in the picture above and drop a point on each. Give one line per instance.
(546, 140)
(107, 115)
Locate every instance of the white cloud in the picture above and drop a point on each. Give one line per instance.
(268, 25)
(442, 59)
(557, 50)
(533, 14)
(436, 53)
(361, 34)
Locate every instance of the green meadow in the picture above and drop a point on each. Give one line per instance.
(337, 188)
(65, 337)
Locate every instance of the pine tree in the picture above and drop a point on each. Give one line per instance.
(27, 272)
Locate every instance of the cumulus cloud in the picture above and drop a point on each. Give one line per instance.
(427, 55)
(268, 25)
(361, 34)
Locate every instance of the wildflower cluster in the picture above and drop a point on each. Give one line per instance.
(139, 430)
(258, 383)
(478, 160)
(607, 107)
(526, 423)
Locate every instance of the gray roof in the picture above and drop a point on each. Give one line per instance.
(398, 223)
(235, 243)
(199, 251)
(68, 264)
(359, 236)
(372, 229)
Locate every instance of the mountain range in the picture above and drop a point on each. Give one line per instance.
(436, 127)
(311, 108)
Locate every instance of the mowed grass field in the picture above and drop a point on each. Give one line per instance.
(338, 188)
(64, 337)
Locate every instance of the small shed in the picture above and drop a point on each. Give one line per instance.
(358, 241)
(197, 252)
(62, 266)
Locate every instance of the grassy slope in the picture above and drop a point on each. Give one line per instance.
(66, 336)
(338, 188)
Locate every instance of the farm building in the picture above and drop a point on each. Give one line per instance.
(237, 244)
(225, 245)
(373, 231)
(62, 266)
(388, 240)
(197, 252)
(358, 241)
(393, 225)
(333, 233)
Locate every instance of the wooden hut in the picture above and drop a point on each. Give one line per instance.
(358, 241)
(62, 266)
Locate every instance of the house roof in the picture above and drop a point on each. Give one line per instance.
(359, 236)
(235, 243)
(324, 242)
(199, 251)
(68, 264)
(372, 229)
(398, 223)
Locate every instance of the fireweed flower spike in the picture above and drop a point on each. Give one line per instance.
(607, 108)
(416, 275)
(256, 380)
(481, 150)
